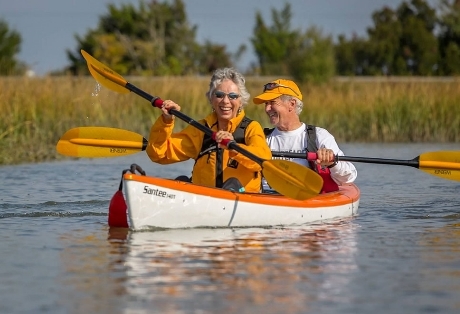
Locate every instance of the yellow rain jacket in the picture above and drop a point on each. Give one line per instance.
(166, 147)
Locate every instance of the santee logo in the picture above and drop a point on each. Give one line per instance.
(158, 192)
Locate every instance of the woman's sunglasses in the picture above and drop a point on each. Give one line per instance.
(231, 96)
(272, 85)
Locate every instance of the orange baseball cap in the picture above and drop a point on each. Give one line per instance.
(277, 88)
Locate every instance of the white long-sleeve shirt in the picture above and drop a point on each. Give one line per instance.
(296, 141)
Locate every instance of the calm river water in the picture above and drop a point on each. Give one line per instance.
(401, 254)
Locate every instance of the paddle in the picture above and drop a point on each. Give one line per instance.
(286, 177)
(100, 142)
(444, 164)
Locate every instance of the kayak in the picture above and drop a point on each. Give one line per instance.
(166, 203)
(155, 202)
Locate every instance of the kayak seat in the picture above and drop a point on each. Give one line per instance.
(183, 178)
(233, 184)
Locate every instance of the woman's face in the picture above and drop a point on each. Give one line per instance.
(226, 100)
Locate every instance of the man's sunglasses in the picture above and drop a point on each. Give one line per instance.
(273, 85)
(231, 96)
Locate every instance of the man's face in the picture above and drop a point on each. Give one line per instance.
(278, 110)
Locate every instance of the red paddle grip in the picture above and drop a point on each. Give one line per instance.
(312, 156)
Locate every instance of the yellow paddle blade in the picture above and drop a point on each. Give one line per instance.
(104, 75)
(292, 179)
(99, 142)
(444, 164)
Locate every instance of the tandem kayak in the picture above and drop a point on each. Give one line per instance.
(166, 203)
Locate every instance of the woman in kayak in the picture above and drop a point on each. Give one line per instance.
(215, 165)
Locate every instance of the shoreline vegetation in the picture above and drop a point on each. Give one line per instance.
(36, 112)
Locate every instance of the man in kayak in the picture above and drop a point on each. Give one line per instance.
(283, 105)
(215, 165)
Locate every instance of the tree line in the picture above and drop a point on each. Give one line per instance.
(156, 38)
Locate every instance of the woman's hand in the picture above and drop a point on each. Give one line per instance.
(167, 105)
(222, 135)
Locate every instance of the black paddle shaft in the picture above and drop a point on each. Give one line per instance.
(412, 163)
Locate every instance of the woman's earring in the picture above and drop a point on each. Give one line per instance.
(239, 111)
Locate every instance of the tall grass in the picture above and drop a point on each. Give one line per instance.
(35, 112)
(387, 111)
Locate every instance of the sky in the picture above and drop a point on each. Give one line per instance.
(48, 27)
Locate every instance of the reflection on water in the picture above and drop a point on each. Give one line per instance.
(93, 273)
(210, 270)
(242, 268)
(440, 259)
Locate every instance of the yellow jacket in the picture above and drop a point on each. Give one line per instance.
(165, 147)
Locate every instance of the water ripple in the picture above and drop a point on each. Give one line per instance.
(37, 214)
(54, 209)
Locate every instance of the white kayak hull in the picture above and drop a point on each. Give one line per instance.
(164, 203)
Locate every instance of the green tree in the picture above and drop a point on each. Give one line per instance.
(153, 39)
(272, 44)
(351, 56)
(213, 56)
(449, 38)
(384, 40)
(312, 59)
(418, 44)
(400, 42)
(306, 56)
(10, 42)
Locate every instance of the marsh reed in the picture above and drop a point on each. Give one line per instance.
(35, 112)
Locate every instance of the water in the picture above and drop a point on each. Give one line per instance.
(399, 255)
